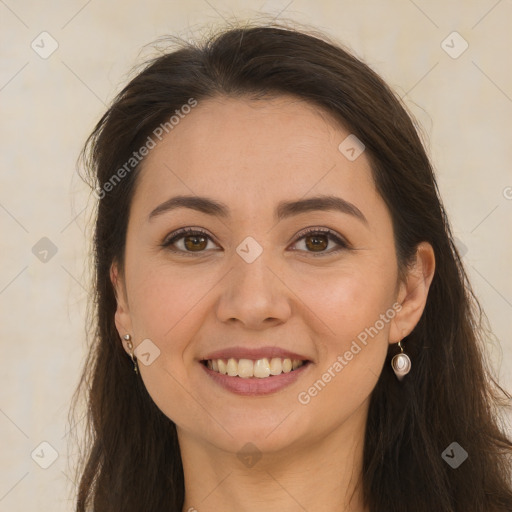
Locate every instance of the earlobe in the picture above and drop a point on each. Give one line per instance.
(413, 293)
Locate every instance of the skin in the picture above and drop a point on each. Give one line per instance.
(251, 154)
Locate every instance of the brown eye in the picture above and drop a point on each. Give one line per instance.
(193, 242)
(317, 240)
(187, 241)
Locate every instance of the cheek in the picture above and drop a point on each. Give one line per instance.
(164, 307)
(355, 306)
(348, 300)
(357, 309)
(163, 298)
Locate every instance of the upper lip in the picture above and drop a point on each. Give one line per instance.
(254, 353)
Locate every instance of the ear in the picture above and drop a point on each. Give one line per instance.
(122, 315)
(413, 292)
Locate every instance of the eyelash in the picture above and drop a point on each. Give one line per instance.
(184, 232)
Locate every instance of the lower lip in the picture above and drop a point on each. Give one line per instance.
(255, 386)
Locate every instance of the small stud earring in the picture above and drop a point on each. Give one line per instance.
(401, 363)
(128, 340)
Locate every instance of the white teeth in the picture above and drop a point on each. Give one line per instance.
(247, 368)
(261, 368)
(287, 365)
(232, 367)
(276, 367)
(223, 368)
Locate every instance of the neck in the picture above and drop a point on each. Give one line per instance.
(317, 475)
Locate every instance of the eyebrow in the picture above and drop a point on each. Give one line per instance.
(285, 209)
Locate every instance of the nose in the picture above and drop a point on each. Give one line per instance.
(254, 294)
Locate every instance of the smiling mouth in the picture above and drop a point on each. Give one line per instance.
(259, 368)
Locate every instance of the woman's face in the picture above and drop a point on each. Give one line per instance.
(252, 285)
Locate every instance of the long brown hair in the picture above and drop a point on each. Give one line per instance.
(132, 458)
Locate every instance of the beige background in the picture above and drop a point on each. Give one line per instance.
(49, 105)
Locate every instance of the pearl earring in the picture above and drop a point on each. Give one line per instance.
(401, 363)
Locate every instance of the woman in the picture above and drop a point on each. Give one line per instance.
(282, 319)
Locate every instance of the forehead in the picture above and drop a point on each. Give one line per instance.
(244, 151)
